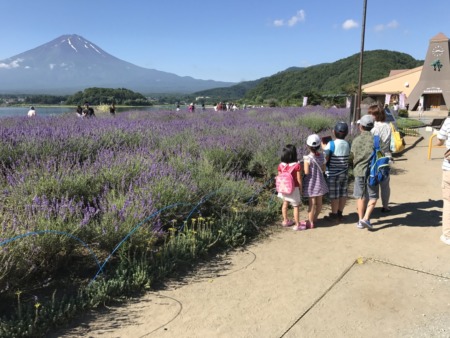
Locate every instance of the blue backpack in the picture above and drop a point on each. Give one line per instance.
(378, 169)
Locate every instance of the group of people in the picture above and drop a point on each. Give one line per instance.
(86, 112)
(191, 107)
(229, 106)
(324, 170)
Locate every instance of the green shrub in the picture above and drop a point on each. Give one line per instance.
(403, 113)
(409, 123)
(316, 123)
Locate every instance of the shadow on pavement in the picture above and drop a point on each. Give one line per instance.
(414, 214)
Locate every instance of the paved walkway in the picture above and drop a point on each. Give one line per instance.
(333, 281)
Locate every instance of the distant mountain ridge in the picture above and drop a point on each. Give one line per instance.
(332, 78)
(71, 63)
(337, 77)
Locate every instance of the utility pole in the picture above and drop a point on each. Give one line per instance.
(361, 59)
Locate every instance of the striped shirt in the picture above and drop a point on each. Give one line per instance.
(444, 135)
(314, 183)
(338, 159)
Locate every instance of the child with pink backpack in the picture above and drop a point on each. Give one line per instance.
(288, 184)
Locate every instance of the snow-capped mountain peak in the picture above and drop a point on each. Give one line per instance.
(70, 63)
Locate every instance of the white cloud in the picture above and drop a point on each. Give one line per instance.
(52, 65)
(349, 24)
(379, 28)
(391, 25)
(299, 17)
(12, 64)
(278, 23)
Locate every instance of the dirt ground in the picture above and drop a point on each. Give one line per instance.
(333, 281)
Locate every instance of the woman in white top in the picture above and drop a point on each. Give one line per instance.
(383, 130)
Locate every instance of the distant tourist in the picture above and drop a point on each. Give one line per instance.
(420, 109)
(396, 107)
(112, 110)
(178, 107)
(79, 111)
(88, 111)
(31, 112)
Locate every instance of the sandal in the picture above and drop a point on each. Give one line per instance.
(288, 223)
(386, 209)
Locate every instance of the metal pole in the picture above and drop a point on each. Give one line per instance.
(361, 59)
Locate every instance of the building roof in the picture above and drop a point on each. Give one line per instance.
(439, 37)
(397, 71)
(402, 73)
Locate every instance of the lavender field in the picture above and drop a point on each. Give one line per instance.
(84, 198)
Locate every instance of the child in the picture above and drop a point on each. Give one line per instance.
(289, 161)
(337, 153)
(314, 184)
(360, 154)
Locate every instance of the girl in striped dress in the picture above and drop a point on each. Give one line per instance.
(314, 184)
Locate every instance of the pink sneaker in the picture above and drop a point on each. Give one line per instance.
(288, 223)
(300, 227)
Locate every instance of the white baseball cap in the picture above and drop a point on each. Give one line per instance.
(313, 140)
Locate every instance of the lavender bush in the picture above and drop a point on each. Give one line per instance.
(98, 180)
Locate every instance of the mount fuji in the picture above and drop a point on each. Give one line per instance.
(71, 63)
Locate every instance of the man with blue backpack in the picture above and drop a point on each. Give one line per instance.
(361, 152)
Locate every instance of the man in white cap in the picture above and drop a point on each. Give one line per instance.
(360, 153)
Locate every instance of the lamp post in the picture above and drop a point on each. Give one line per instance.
(361, 59)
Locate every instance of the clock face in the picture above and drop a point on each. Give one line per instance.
(437, 50)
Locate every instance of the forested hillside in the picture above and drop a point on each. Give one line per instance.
(340, 77)
(229, 93)
(119, 96)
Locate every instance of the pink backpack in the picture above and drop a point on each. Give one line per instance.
(284, 181)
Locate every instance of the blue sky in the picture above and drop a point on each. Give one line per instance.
(233, 40)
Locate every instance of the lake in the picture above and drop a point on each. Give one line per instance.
(54, 111)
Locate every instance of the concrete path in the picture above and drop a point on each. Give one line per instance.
(333, 281)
